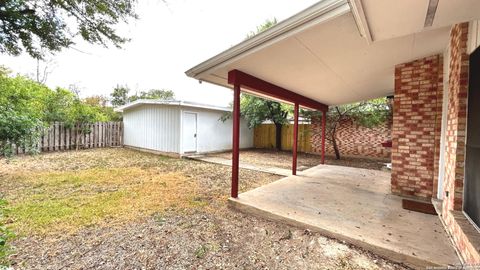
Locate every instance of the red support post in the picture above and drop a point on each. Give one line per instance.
(324, 120)
(236, 140)
(295, 139)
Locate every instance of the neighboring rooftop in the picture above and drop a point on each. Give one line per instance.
(182, 103)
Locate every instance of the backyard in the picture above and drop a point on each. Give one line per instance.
(283, 159)
(122, 209)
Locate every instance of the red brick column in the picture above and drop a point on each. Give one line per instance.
(459, 227)
(415, 124)
(456, 118)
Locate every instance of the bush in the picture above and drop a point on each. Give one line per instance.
(5, 236)
(27, 107)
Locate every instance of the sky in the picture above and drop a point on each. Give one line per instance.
(169, 38)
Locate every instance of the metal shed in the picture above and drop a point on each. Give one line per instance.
(179, 128)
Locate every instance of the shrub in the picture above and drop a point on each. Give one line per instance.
(5, 235)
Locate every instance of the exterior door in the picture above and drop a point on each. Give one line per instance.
(189, 131)
(471, 203)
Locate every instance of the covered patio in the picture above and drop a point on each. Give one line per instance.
(353, 205)
(337, 52)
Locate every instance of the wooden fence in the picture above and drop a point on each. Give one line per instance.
(264, 137)
(58, 137)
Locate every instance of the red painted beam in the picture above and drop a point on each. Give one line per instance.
(295, 139)
(236, 140)
(324, 121)
(236, 77)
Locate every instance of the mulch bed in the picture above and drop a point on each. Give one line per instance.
(283, 159)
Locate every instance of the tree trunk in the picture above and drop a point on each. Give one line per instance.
(278, 136)
(335, 147)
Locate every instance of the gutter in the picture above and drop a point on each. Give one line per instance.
(318, 13)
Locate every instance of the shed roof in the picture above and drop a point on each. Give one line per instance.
(180, 103)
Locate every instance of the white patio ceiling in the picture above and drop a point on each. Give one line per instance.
(333, 55)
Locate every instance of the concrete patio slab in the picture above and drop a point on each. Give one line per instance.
(353, 205)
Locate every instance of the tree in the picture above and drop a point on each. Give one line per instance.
(257, 110)
(369, 114)
(267, 24)
(51, 25)
(80, 114)
(57, 105)
(22, 107)
(26, 107)
(96, 101)
(162, 94)
(42, 73)
(100, 103)
(119, 96)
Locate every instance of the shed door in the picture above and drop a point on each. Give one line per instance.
(189, 132)
(471, 204)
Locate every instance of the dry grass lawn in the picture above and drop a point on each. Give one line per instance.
(123, 209)
(64, 192)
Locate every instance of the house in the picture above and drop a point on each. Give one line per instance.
(178, 128)
(425, 53)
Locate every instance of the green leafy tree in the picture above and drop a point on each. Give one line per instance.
(119, 96)
(267, 24)
(57, 105)
(27, 107)
(369, 114)
(101, 105)
(51, 25)
(80, 114)
(22, 107)
(257, 110)
(162, 94)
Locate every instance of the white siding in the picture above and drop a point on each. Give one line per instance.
(215, 135)
(153, 127)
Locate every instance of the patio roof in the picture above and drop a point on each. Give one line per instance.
(339, 51)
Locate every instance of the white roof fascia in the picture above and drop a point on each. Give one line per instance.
(361, 20)
(318, 13)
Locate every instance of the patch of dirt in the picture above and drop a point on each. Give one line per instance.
(199, 240)
(209, 236)
(283, 159)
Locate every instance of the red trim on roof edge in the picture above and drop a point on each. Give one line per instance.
(237, 77)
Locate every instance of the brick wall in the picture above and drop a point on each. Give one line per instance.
(456, 118)
(462, 231)
(354, 140)
(416, 126)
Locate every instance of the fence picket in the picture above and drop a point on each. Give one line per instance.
(264, 137)
(56, 137)
(59, 137)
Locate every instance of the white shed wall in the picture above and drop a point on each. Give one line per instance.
(153, 127)
(215, 135)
